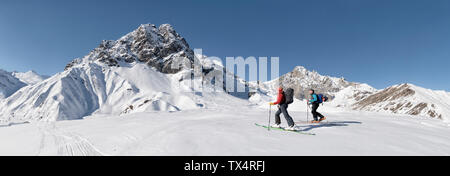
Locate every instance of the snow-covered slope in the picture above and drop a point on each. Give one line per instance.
(132, 74)
(408, 99)
(30, 77)
(227, 131)
(9, 84)
(85, 89)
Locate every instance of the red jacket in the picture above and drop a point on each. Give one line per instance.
(280, 98)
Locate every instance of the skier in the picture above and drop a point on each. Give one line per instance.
(315, 102)
(282, 108)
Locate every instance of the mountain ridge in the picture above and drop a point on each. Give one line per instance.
(408, 99)
(114, 79)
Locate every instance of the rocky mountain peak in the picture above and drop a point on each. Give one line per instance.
(158, 47)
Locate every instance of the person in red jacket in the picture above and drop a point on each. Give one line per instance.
(282, 108)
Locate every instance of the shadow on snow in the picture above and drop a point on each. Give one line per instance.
(311, 126)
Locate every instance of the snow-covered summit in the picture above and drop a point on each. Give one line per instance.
(29, 77)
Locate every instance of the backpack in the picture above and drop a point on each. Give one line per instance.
(321, 98)
(289, 96)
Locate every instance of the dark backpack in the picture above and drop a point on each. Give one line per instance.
(289, 95)
(321, 98)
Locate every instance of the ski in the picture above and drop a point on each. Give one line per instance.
(282, 129)
(306, 122)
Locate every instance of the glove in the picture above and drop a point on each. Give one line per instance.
(271, 104)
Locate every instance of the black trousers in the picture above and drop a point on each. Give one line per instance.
(283, 109)
(316, 114)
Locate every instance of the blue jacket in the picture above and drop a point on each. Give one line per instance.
(315, 98)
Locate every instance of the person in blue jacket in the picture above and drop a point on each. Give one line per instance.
(314, 102)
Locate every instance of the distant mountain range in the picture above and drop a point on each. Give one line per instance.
(399, 99)
(134, 74)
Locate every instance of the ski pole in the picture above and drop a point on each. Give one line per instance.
(270, 114)
(307, 112)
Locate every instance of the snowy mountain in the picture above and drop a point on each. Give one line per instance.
(132, 74)
(9, 84)
(408, 99)
(30, 77)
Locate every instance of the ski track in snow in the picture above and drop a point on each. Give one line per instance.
(56, 141)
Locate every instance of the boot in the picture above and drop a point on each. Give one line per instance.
(322, 119)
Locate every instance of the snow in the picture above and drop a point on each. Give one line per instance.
(92, 88)
(228, 130)
(30, 77)
(440, 99)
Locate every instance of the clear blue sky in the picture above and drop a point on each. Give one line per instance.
(380, 42)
